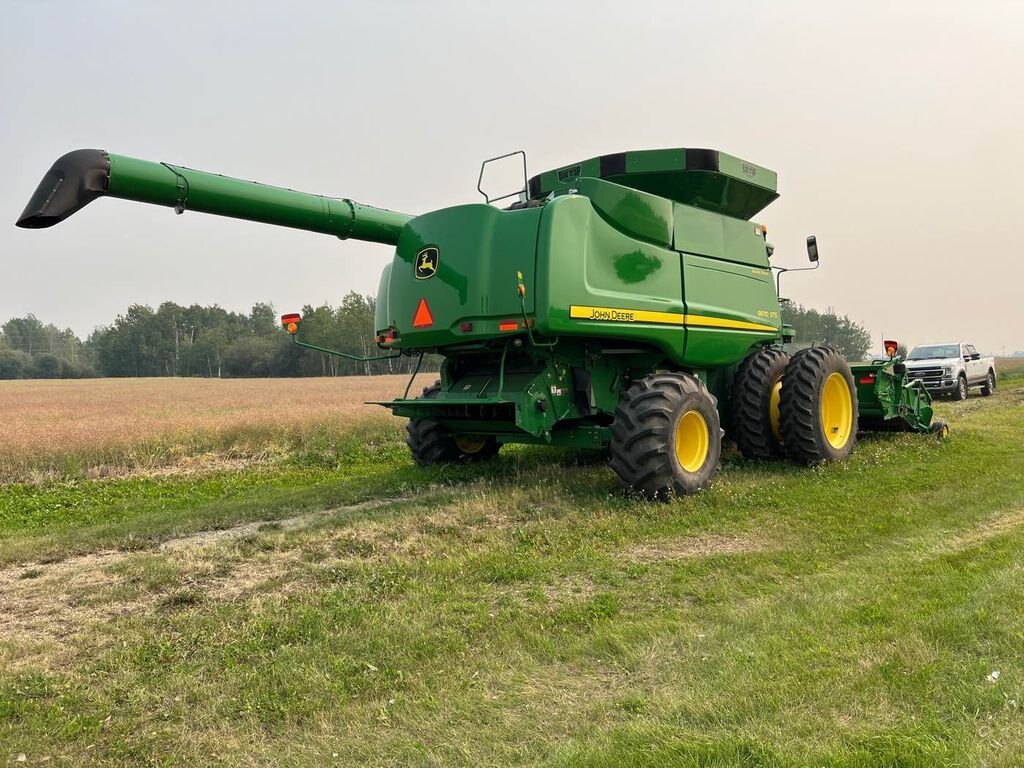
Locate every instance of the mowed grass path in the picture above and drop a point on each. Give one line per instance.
(524, 612)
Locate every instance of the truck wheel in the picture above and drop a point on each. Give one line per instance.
(430, 443)
(666, 436)
(818, 406)
(990, 384)
(961, 388)
(755, 404)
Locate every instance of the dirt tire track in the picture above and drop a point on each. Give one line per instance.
(42, 602)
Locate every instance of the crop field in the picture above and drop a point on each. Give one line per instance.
(254, 573)
(1010, 367)
(100, 427)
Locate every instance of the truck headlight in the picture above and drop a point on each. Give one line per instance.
(947, 370)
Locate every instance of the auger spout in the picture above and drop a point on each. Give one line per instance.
(79, 177)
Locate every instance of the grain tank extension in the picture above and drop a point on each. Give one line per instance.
(626, 303)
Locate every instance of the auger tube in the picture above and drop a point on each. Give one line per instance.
(79, 177)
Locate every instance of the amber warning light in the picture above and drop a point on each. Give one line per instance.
(291, 323)
(891, 347)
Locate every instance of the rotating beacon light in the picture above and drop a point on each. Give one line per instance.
(291, 323)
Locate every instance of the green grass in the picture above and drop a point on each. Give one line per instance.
(524, 612)
(1010, 369)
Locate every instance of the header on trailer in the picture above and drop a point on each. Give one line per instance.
(704, 178)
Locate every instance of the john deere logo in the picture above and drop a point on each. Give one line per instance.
(426, 263)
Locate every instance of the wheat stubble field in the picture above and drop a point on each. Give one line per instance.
(254, 573)
(101, 427)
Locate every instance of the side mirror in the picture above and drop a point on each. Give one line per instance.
(812, 255)
(976, 356)
(812, 249)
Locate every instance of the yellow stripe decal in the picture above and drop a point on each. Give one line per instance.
(718, 322)
(620, 315)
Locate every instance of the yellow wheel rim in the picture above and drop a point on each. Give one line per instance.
(469, 444)
(836, 410)
(773, 410)
(692, 440)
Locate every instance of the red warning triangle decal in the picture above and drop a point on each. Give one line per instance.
(422, 318)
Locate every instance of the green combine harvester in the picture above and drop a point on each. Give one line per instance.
(625, 303)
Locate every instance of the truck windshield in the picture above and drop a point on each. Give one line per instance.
(934, 352)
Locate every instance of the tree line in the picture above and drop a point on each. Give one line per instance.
(827, 328)
(175, 340)
(206, 341)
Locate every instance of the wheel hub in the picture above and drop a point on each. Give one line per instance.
(692, 441)
(470, 444)
(836, 410)
(773, 410)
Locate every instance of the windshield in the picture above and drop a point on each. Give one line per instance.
(934, 352)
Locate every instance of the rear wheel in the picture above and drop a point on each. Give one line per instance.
(755, 400)
(990, 384)
(666, 436)
(818, 406)
(476, 447)
(961, 388)
(431, 443)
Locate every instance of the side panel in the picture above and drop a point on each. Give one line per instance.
(721, 237)
(593, 280)
(380, 313)
(472, 278)
(729, 308)
(638, 214)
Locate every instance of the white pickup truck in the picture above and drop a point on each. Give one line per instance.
(951, 369)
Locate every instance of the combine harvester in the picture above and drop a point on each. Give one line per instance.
(625, 303)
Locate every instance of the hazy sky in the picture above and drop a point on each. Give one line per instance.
(895, 128)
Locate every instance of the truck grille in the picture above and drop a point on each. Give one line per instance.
(929, 375)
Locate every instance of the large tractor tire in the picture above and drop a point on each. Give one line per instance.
(989, 387)
(756, 426)
(430, 443)
(666, 436)
(818, 406)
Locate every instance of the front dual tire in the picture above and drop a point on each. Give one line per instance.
(756, 395)
(818, 407)
(803, 408)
